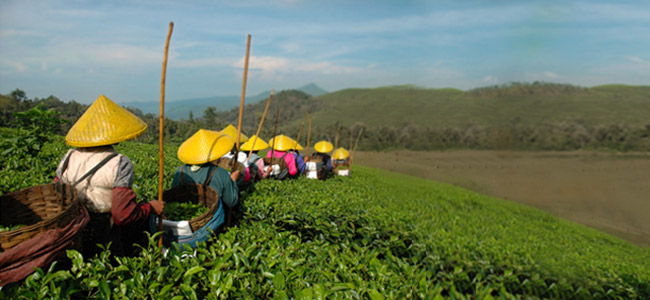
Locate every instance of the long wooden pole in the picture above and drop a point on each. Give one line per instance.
(351, 137)
(300, 131)
(259, 128)
(275, 129)
(338, 134)
(243, 95)
(355, 147)
(308, 140)
(161, 130)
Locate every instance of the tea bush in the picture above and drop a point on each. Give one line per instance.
(373, 235)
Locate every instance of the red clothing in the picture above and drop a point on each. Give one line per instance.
(125, 209)
(289, 158)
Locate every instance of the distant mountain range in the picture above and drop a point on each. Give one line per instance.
(180, 109)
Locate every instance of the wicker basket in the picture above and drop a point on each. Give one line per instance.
(195, 193)
(40, 208)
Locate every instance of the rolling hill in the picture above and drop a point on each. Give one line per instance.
(180, 109)
(528, 104)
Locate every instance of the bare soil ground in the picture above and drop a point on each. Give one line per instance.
(606, 191)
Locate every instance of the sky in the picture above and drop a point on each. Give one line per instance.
(77, 50)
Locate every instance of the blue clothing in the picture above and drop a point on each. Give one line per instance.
(221, 183)
(300, 163)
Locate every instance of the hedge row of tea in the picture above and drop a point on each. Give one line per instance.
(374, 235)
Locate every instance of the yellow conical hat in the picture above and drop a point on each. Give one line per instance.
(104, 123)
(204, 146)
(282, 143)
(340, 153)
(231, 131)
(298, 147)
(260, 144)
(323, 146)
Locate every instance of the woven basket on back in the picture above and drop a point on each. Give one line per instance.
(195, 193)
(40, 208)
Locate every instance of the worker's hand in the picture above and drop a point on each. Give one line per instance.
(158, 206)
(234, 175)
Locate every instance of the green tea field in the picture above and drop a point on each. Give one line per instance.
(374, 235)
(604, 190)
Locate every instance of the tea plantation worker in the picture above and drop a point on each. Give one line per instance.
(198, 153)
(226, 163)
(300, 161)
(232, 131)
(103, 178)
(320, 162)
(341, 162)
(281, 144)
(255, 162)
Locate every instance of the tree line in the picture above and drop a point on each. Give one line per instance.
(570, 134)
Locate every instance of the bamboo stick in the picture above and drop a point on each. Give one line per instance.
(356, 143)
(243, 95)
(161, 129)
(259, 128)
(275, 129)
(308, 140)
(336, 140)
(300, 131)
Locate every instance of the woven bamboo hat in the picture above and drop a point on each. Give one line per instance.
(231, 131)
(323, 147)
(104, 123)
(282, 143)
(340, 154)
(204, 146)
(298, 147)
(260, 144)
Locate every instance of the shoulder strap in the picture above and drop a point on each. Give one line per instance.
(65, 163)
(207, 180)
(285, 154)
(94, 169)
(183, 175)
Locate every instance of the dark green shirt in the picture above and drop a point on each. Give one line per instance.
(221, 182)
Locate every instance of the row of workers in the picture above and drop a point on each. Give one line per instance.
(103, 178)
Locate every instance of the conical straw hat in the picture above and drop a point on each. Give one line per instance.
(340, 153)
(323, 147)
(260, 144)
(204, 146)
(298, 147)
(104, 123)
(231, 131)
(282, 143)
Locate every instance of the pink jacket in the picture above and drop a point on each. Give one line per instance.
(291, 161)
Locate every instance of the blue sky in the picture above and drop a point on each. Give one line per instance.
(80, 49)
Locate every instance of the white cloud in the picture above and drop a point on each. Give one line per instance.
(550, 75)
(18, 66)
(634, 59)
(200, 62)
(489, 79)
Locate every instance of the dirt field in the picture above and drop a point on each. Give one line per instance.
(607, 191)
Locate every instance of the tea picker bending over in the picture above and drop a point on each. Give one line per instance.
(280, 162)
(198, 153)
(341, 162)
(103, 178)
(319, 164)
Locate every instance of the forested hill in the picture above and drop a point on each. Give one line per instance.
(530, 116)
